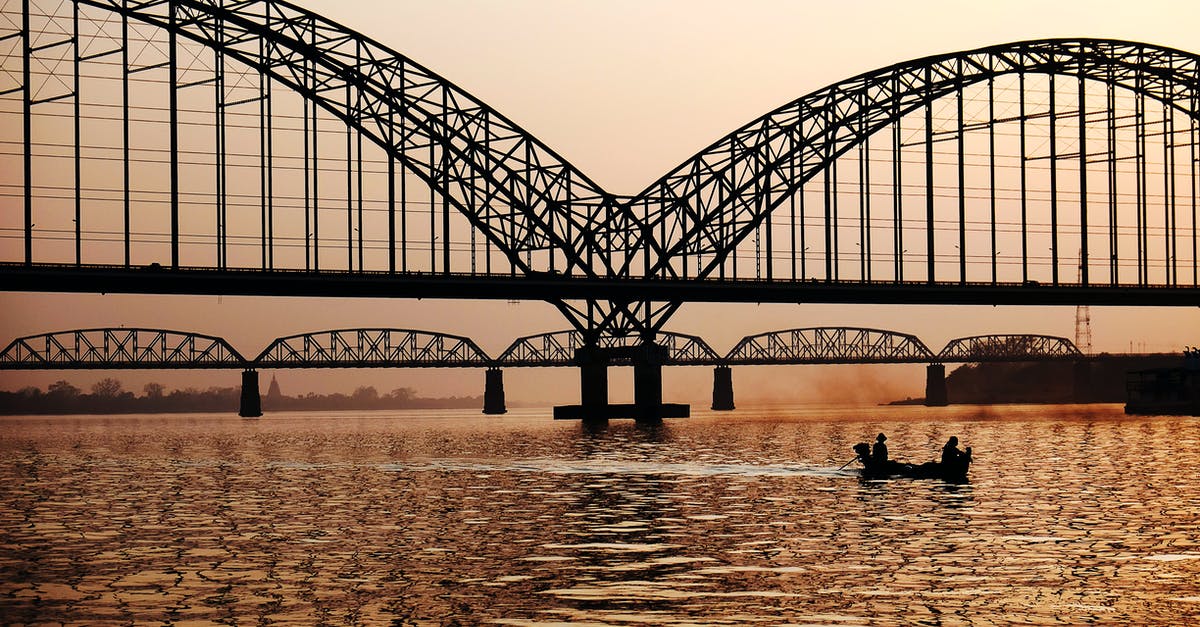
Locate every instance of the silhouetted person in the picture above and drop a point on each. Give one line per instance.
(863, 451)
(879, 453)
(950, 453)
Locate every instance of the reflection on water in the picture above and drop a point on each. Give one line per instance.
(1072, 515)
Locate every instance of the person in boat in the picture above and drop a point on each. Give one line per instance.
(952, 467)
(862, 452)
(950, 452)
(875, 459)
(879, 452)
(952, 457)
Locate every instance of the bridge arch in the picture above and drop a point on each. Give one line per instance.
(829, 345)
(120, 349)
(558, 349)
(372, 348)
(598, 257)
(1008, 348)
(722, 195)
(518, 192)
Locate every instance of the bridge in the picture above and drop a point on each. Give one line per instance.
(279, 153)
(141, 349)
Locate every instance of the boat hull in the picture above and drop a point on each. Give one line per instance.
(930, 470)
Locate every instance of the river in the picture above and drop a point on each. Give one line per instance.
(1073, 514)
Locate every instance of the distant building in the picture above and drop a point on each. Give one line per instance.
(273, 390)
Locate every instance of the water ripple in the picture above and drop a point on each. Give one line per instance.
(1072, 516)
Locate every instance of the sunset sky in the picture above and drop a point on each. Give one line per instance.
(626, 90)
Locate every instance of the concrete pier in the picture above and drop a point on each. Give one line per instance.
(251, 403)
(722, 389)
(935, 386)
(493, 392)
(647, 380)
(593, 377)
(647, 360)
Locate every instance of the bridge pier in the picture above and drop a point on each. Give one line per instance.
(647, 382)
(493, 392)
(593, 361)
(935, 386)
(722, 389)
(251, 403)
(593, 380)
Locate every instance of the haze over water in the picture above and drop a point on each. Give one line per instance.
(1072, 515)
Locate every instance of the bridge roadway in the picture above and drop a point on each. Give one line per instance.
(548, 286)
(139, 348)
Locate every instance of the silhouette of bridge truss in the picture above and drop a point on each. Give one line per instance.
(983, 348)
(119, 349)
(830, 345)
(372, 348)
(407, 348)
(559, 348)
(254, 147)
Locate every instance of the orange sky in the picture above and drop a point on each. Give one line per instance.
(627, 90)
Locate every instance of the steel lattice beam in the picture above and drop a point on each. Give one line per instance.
(829, 345)
(373, 348)
(558, 349)
(713, 201)
(517, 191)
(1008, 348)
(123, 349)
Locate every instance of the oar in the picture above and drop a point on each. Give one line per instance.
(849, 462)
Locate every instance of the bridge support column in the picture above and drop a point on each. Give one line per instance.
(1081, 382)
(493, 392)
(935, 386)
(647, 382)
(251, 404)
(722, 389)
(593, 383)
(647, 359)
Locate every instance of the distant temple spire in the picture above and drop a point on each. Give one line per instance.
(273, 390)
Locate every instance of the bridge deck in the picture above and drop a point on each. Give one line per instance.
(253, 282)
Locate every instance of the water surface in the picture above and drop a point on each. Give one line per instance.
(1072, 515)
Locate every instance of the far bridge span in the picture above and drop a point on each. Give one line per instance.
(154, 349)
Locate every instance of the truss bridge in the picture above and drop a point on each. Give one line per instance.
(156, 349)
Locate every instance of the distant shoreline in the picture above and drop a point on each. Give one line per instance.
(1100, 379)
(81, 410)
(107, 398)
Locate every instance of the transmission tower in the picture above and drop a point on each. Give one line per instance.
(1083, 329)
(1083, 319)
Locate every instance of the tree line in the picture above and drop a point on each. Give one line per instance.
(108, 396)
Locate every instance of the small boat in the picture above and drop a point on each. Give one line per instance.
(954, 473)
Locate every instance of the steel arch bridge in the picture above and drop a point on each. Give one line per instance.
(124, 349)
(254, 147)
